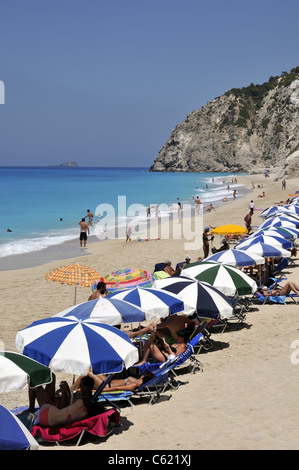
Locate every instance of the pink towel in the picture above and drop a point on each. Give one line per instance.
(97, 425)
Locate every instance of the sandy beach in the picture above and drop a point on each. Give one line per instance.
(246, 397)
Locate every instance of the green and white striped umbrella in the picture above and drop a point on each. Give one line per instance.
(18, 371)
(226, 278)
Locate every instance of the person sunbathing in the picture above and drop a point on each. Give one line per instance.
(210, 208)
(161, 351)
(169, 269)
(285, 290)
(169, 326)
(51, 415)
(117, 385)
(143, 330)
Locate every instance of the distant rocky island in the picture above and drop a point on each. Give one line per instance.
(246, 129)
(68, 164)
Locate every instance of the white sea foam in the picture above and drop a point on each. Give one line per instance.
(209, 190)
(28, 245)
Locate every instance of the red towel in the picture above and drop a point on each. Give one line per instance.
(97, 425)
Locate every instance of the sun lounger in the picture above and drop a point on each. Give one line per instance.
(275, 299)
(115, 396)
(239, 310)
(100, 425)
(284, 263)
(159, 267)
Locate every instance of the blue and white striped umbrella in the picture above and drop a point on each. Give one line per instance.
(236, 258)
(266, 250)
(275, 240)
(154, 302)
(281, 221)
(288, 233)
(269, 211)
(13, 433)
(284, 212)
(207, 301)
(72, 346)
(290, 208)
(105, 310)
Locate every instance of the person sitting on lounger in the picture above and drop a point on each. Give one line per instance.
(161, 351)
(285, 290)
(169, 269)
(224, 246)
(168, 327)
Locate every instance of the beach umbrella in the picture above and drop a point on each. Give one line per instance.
(286, 233)
(207, 301)
(290, 208)
(266, 250)
(154, 302)
(18, 371)
(275, 240)
(236, 258)
(227, 279)
(280, 221)
(269, 210)
(283, 212)
(74, 275)
(272, 211)
(13, 433)
(125, 278)
(229, 229)
(73, 346)
(105, 310)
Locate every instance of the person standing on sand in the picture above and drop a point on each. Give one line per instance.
(84, 230)
(247, 220)
(205, 240)
(197, 205)
(129, 233)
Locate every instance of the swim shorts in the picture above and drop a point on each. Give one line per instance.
(83, 236)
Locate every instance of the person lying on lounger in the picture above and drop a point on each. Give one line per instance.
(117, 385)
(51, 415)
(285, 290)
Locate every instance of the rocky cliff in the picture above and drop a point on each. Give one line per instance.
(245, 129)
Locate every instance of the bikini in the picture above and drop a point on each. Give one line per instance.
(43, 417)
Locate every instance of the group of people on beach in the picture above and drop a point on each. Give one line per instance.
(167, 339)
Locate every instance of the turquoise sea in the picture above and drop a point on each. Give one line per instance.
(35, 199)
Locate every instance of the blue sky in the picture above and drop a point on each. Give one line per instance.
(103, 83)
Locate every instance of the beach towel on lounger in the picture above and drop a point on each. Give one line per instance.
(97, 425)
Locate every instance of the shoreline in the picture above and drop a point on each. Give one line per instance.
(71, 249)
(249, 371)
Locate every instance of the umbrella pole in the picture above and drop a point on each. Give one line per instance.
(140, 343)
(75, 298)
(72, 394)
(260, 273)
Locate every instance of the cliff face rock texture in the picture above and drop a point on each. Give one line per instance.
(247, 129)
(290, 168)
